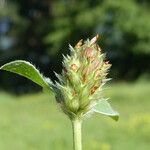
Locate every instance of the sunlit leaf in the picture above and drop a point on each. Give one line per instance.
(104, 108)
(27, 70)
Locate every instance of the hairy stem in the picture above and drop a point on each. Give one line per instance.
(77, 135)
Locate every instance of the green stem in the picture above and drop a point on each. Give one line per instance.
(77, 135)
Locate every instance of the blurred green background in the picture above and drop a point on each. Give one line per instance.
(39, 31)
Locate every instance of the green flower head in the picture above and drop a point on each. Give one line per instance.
(83, 75)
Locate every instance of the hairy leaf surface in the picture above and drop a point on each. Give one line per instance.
(27, 70)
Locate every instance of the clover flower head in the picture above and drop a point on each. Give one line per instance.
(83, 76)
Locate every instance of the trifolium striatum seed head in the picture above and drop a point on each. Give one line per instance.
(83, 76)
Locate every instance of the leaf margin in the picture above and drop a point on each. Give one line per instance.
(112, 114)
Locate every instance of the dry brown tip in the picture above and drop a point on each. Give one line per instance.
(79, 44)
(93, 89)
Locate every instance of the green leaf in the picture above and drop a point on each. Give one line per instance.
(27, 70)
(104, 108)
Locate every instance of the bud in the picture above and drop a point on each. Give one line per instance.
(82, 78)
(89, 52)
(74, 67)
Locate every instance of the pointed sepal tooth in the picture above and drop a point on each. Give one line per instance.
(64, 57)
(71, 48)
(79, 44)
(106, 80)
(59, 77)
(94, 39)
